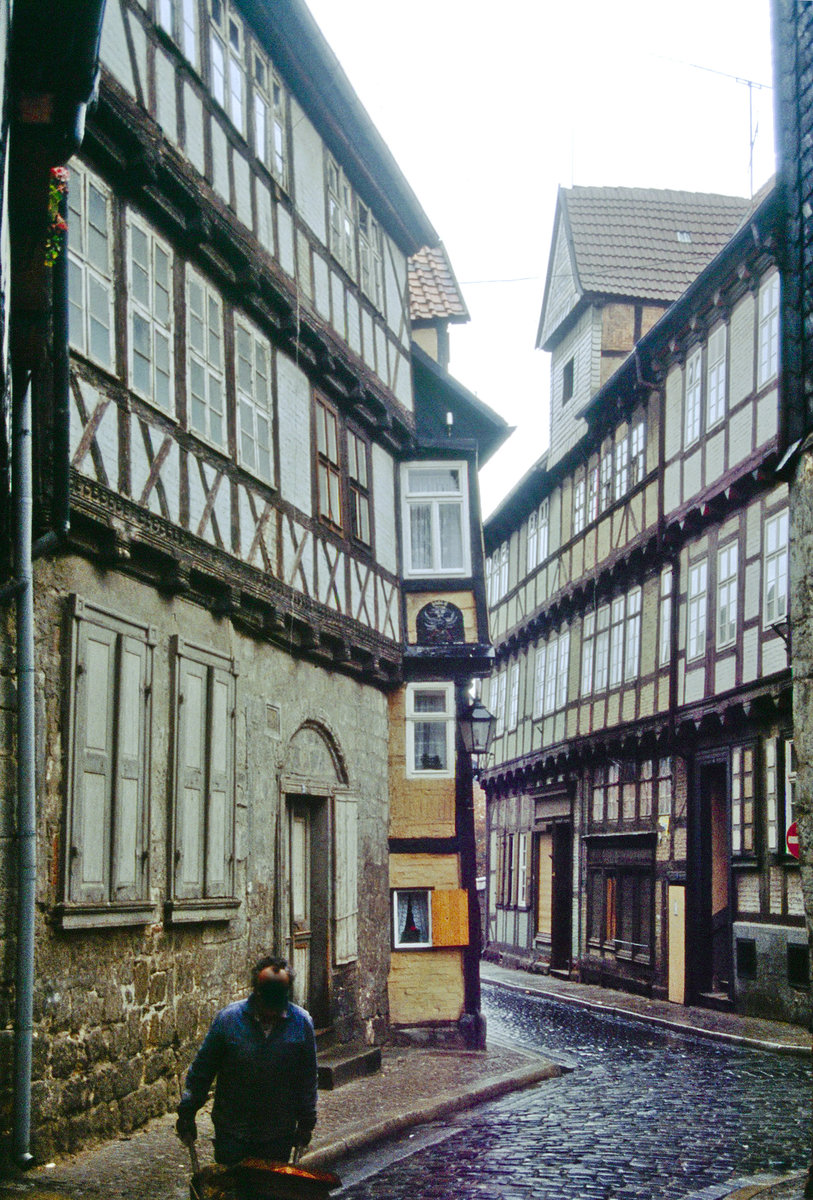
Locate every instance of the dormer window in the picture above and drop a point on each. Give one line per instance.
(684, 236)
(567, 381)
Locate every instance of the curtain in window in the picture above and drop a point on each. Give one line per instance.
(420, 526)
(413, 918)
(430, 746)
(451, 536)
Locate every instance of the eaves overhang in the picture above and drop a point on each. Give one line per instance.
(323, 90)
(438, 393)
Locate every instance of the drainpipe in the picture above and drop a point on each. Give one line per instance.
(26, 799)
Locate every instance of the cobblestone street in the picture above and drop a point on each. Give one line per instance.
(643, 1114)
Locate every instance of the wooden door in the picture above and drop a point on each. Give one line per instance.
(544, 886)
(299, 860)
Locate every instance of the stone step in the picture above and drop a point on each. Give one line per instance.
(718, 1001)
(340, 1064)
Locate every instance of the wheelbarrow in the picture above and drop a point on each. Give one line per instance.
(258, 1179)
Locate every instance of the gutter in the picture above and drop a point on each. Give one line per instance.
(53, 73)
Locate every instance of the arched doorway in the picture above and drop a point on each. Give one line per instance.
(314, 771)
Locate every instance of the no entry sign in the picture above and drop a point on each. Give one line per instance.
(792, 840)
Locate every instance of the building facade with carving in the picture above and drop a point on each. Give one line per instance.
(261, 513)
(638, 589)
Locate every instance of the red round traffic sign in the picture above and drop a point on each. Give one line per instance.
(792, 840)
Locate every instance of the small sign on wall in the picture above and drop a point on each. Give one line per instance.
(792, 840)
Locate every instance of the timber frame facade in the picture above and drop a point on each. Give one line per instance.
(638, 581)
(224, 632)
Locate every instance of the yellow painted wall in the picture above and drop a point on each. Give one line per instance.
(425, 871)
(425, 985)
(418, 807)
(462, 600)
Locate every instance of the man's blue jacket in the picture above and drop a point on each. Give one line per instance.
(266, 1081)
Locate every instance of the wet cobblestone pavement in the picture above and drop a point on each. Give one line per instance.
(643, 1114)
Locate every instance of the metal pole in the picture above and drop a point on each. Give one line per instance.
(26, 797)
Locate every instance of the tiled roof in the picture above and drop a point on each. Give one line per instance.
(434, 292)
(645, 242)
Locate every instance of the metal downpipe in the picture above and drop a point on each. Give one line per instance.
(26, 793)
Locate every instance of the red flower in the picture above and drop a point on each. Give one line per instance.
(59, 174)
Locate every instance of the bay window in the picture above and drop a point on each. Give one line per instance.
(435, 515)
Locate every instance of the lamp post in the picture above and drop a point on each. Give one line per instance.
(475, 727)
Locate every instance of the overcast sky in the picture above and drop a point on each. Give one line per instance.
(488, 108)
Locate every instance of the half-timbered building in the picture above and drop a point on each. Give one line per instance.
(220, 635)
(644, 773)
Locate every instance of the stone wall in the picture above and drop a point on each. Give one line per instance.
(119, 1011)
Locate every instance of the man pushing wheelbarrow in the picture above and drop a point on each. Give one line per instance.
(262, 1052)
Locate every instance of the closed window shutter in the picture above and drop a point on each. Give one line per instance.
(93, 734)
(450, 918)
(191, 779)
(128, 811)
(218, 807)
(346, 879)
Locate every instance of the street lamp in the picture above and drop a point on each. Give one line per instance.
(477, 729)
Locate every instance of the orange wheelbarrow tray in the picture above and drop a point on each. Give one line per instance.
(257, 1179)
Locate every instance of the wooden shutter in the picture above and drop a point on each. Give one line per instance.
(450, 918)
(128, 807)
(93, 733)
(190, 765)
(219, 806)
(345, 890)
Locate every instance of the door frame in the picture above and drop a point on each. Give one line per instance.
(699, 870)
(318, 802)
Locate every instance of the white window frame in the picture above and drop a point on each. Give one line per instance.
(341, 216)
(632, 635)
(539, 679)
(445, 717)
(208, 360)
(775, 568)
(602, 651)
(716, 376)
(563, 669)
(592, 494)
(694, 397)
(232, 61)
(531, 554)
(543, 532)
(622, 466)
(179, 18)
(768, 333)
(637, 453)
(396, 943)
(588, 652)
(253, 414)
(606, 482)
(458, 498)
(696, 612)
(551, 670)
(579, 506)
(616, 642)
(513, 695)
(371, 256)
(499, 703)
(665, 638)
(523, 870)
(270, 110)
(160, 332)
(727, 586)
(90, 280)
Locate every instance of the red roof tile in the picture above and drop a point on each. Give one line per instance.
(434, 293)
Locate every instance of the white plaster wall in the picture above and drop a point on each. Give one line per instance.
(293, 407)
(113, 49)
(166, 107)
(742, 350)
(384, 509)
(193, 117)
(309, 172)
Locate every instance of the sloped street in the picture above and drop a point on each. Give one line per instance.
(642, 1113)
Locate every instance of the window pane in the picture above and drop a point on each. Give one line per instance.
(451, 536)
(430, 746)
(420, 524)
(412, 918)
(430, 701)
(436, 479)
